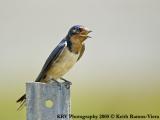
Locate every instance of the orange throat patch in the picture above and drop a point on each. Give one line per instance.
(77, 43)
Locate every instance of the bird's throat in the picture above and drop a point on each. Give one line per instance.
(76, 44)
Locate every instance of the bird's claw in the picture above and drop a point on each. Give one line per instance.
(66, 83)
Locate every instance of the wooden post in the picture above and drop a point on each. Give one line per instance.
(47, 101)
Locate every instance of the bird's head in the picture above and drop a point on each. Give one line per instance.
(79, 32)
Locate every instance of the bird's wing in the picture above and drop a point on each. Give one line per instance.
(81, 52)
(52, 57)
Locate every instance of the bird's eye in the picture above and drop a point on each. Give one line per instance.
(76, 30)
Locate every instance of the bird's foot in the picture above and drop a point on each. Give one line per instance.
(66, 82)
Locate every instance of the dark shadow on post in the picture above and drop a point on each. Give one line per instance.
(47, 101)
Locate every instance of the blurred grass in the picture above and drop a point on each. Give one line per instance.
(88, 100)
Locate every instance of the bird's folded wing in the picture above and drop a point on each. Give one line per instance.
(52, 57)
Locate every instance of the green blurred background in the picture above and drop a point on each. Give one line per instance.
(120, 70)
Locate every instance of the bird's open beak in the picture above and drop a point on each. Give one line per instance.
(88, 33)
(85, 31)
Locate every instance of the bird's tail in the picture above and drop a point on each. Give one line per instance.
(22, 101)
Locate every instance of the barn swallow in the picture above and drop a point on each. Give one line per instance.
(63, 57)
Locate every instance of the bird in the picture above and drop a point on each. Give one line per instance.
(62, 58)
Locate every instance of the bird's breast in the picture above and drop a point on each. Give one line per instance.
(63, 64)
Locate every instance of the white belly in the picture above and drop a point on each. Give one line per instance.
(62, 65)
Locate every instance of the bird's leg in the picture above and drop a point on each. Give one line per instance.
(67, 83)
(58, 83)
